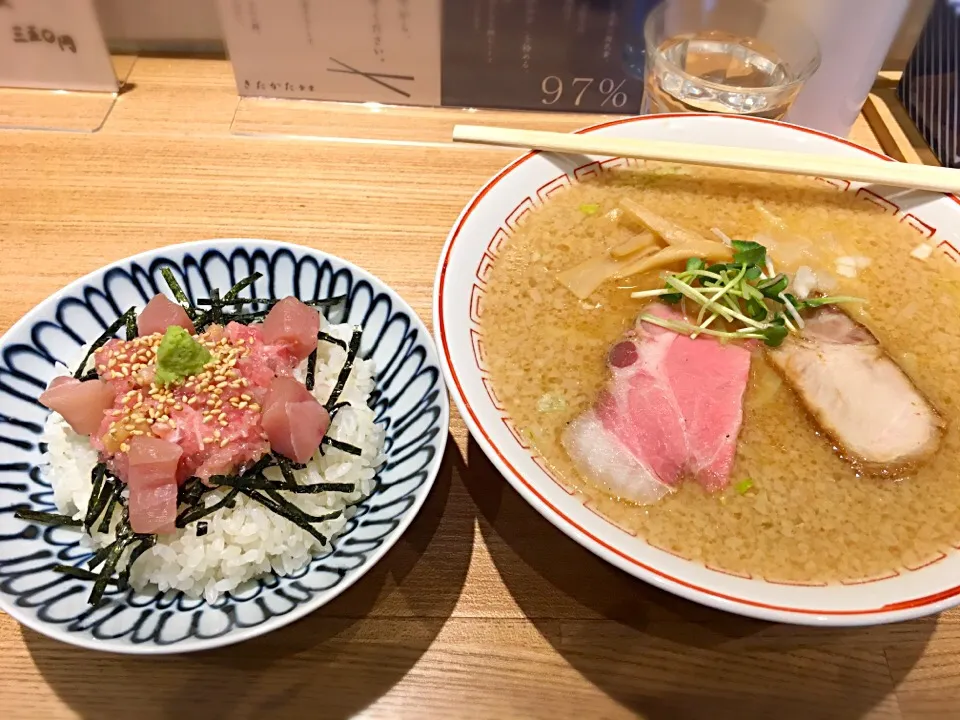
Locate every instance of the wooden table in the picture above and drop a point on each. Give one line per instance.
(482, 609)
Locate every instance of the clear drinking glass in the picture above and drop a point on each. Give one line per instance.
(743, 57)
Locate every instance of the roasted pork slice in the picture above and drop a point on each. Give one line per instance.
(607, 461)
(857, 394)
(672, 409)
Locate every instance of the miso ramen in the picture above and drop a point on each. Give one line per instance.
(800, 441)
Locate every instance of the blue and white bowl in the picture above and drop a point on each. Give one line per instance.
(410, 401)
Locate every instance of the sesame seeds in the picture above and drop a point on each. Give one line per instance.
(146, 408)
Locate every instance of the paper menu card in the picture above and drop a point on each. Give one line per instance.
(384, 51)
(53, 45)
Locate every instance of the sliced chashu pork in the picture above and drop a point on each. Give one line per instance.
(857, 394)
(672, 409)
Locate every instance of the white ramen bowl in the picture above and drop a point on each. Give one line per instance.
(472, 248)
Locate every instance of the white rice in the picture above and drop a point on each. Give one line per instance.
(246, 540)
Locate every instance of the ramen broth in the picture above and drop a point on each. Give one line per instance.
(808, 517)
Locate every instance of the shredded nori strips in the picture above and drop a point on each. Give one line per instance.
(47, 518)
(261, 483)
(98, 557)
(179, 295)
(191, 491)
(146, 542)
(326, 337)
(337, 408)
(79, 572)
(352, 351)
(131, 323)
(297, 512)
(312, 359)
(339, 445)
(113, 558)
(216, 309)
(311, 370)
(217, 306)
(96, 503)
(115, 490)
(235, 291)
(108, 334)
(202, 528)
(285, 470)
(195, 513)
(272, 500)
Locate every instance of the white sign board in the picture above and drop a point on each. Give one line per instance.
(384, 51)
(53, 45)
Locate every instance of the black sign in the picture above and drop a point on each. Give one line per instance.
(537, 54)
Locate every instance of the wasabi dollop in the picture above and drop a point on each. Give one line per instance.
(179, 356)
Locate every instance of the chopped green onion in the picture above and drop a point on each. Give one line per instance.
(589, 208)
(551, 402)
(743, 486)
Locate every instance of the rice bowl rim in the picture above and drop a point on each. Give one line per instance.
(490, 217)
(320, 599)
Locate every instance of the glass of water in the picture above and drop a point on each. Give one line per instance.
(742, 57)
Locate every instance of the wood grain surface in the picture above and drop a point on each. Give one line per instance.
(483, 609)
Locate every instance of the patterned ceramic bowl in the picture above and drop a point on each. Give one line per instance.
(409, 400)
(472, 248)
